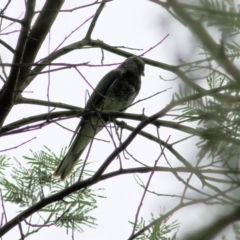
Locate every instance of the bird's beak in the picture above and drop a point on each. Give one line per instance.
(143, 74)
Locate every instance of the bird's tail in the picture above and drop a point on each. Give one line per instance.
(83, 138)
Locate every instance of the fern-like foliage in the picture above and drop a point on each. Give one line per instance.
(221, 14)
(32, 182)
(163, 230)
(217, 116)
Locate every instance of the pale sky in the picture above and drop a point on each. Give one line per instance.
(130, 23)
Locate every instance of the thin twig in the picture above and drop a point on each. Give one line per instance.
(7, 33)
(23, 100)
(17, 145)
(3, 207)
(145, 189)
(92, 25)
(143, 99)
(6, 6)
(7, 46)
(2, 78)
(49, 75)
(76, 8)
(11, 19)
(113, 141)
(52, 70)
(21, 231)
(12, 23)
(38, 225)
(151, 48)
(72, 33)
(3, 71)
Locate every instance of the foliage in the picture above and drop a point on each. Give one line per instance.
(159, 231)
(32, 182)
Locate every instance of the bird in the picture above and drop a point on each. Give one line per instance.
(114, 92)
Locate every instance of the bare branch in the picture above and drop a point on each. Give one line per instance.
(6, 6)
(90, 181)
(3, 209)
(8, 93)
(8, 149)
(7, 46)
(151, 48)
(11, 19)
(21, 231)
(3, 71)
(92, 25)
(212, 229)
(23, 100)
(76, 8)
(29, 43)
(145, 190)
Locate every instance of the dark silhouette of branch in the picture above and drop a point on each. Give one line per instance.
(29, 43)
(12, 19)
(93, 23)
(214, 228)
(4, 214)
(63, 114)
(93, 180)
(6, 6)
(21, 231)
(23, 100)
(4, 150)
(80, 7)
(73, 31)
(74, 113)
(8, 92)
(7, 46)
(151, 48)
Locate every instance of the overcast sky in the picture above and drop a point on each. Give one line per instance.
(130, 23)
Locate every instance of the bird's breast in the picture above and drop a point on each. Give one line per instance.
(122, 92)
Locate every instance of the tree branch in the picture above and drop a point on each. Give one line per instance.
(12, 19)
(93, 23)
(87, 183)
(7, 46)
(23, 100)
(29, 43)
(9, 90)
(212, 229)
(215, 49)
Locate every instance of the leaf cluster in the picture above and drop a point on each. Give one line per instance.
(160, 231)
(32, 181)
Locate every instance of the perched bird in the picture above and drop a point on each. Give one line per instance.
(116, 91)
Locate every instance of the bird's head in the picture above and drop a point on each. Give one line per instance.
(136, 64)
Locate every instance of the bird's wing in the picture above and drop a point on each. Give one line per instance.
(99, 93)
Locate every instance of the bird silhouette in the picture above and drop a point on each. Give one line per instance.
(115, 92)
